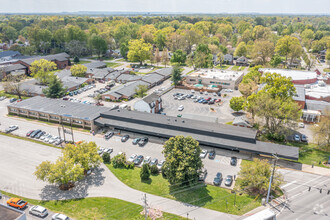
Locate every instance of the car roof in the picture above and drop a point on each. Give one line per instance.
(39, 208)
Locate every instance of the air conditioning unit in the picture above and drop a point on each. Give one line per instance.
(307, 86)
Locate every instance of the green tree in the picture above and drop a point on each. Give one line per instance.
(203, 57)
(236, 103)
(78, 70)
(98, 44)
(241, 50)
(154, 170)
(321, 133)
(176, 75)
(179, 57)
(263, 50)
(13, 84)
(278, 85)
(145, 172)
(327, 57)
(42, 70)
(275, 61)
(9, 33)
(124, 49)
(106, 157)
(76, 60)
(139, 51)
(254, 177)
(160, 39)
(63, 172)
(84, 153)
(284, 46)
(165, 57)
(55, 88)
(182, 160)
(141, 91)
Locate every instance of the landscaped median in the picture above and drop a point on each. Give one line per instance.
(211, 197)
(94, 208)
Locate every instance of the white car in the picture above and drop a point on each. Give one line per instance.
(52, 140)
(301, 125)
(48, 138)
(2, 98)
(38, 211)
(146, 160)
(160, 164)
(44, 136)
(11, 128)
(296, 137)
(203, 154)
(108, 150)
(180, 108)
(58, 216)
(100, 150)
(120, 153)
(132, 158)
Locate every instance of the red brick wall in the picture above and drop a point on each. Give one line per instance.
(301, 104)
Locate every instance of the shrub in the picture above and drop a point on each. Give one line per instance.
(154, 170)
(275, 137)
(119, 161)
(76, 59)
(145, 172)
(106, 158)
(130, 165)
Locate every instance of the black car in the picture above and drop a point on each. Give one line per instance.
(108, 135)
(229, 180)
(12, 100)
(35, 133)
(40, 134)
(136, 141)
(143, 141)
(233, 161)
(202, 175)
(124, 138)
(29, 133)
(212, 155)
(217, 179)
(154, 162)
(138, 160)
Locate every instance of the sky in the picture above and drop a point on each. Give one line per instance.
(189, 6)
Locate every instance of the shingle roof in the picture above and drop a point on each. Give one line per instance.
(151, 98)
(300, 94)
(100, 73)
(114, 75)
(31, 86)
(71, 81)
(317, 105)
(129, 88)
(97, 64)
(59, 57)
(128, 77)
(13, 67)
(9, 53)
(164, 71)
(61, 107)
(152, 78)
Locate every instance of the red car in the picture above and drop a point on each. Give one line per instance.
(218, 100)
(29, 133)
(208, 99)
(99, 104)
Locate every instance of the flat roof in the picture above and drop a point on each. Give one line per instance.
(318, 91)
(210, 134)
(217, 74)
(294, 74)
(60, 107)
(9, 213)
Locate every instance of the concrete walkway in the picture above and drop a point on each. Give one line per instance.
(19, 179)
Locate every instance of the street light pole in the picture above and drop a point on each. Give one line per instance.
(271, 177)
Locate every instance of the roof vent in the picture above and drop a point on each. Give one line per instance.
(175, 120)
(118, 110)
(182, 121)
(63, 106)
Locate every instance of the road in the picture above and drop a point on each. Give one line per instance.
(302, 203)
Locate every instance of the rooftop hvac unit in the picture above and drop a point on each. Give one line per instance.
(321, 83)
(307, 86)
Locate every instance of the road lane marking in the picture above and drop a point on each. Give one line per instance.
(288, 184)
(304, 184)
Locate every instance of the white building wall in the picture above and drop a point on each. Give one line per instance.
(142, 106)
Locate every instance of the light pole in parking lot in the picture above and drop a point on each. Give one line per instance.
(271, 177)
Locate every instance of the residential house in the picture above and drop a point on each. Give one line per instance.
(125, 78)
(165, 72)
(242, 121)
(242, 61)
(13, 69)
(9, 55)
(151, 103)
(228, 59)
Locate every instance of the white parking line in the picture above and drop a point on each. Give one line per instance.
(288, 184)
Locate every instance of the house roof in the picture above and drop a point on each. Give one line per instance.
(13, 67)
(100, 73)
(241, 121)
(61, 107)
(63, 73)
(300, 94)
(242, 59)
(9, 53)
(150, 99)
(32, 87)
(114, 75)
(97, 64)
(294, 74)
(71, 81)
(128, 77)
(58, 57)
(317, 105)
(164, 71)
(152, 78)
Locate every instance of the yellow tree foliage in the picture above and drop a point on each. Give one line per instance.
(42, 70)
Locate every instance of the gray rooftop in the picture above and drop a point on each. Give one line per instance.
(151, 98)
(61, 107)
(114, 75)
(100, 73)
(128, 78)
(165, 72)
(300, 93)
(317, 105)
(129, 88)
(97, 64)
(9, 53)
(59, 57)
(8, 213)
(13, 67)
(152, 78)
(71, 81)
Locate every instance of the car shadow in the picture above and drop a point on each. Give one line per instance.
(80, 190)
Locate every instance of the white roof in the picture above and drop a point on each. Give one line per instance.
(263, 215)
(294, 74)
(217, 74)
(318, 91)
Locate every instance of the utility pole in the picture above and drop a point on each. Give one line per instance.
(271, 178)
(187, 215)
(145, 207)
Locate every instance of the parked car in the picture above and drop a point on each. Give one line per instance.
(52, 140)
(136, 141)
(211, 102)
(132, 158)
(296, 137)
(160, 164)
(17, 203)
(212, 155)
(217, 100)
(233, 161)
(12, 100)
(29, 133)
(229, 180)
(38, 211)
(108, 135)
(138, 160)
(2, 98)
(44, 136)
(11, 128)
(100, 150)
(303, 138)
(40, 134)
(202, 175)
(108, 150)
(154, 162)
(58, 216)
(124, 138)
(35, 133)
(217, 179)
(147, 160)
(99, 104)
(179, 115)
(180, 108)
(48, 138)
(143, 141)
(301, 125)
(203, 154)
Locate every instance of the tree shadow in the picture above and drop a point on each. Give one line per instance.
(149, 181)
(52, 192)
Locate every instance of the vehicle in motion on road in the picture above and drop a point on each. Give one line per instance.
(229, 180)
(233, 161)
(136, 141)
(58, 216)
(11, 128)
(217, 179)
(143, 141)
(124, 138)
(203, 154)
(212, 155)
(38, 211)
(17, 203)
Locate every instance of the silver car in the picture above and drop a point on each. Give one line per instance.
(58, 216)
(38, 211)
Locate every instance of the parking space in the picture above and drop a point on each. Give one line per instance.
(219, 111)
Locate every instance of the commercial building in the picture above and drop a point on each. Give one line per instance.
(298, 77)
(9, 213)
(151, 104)
(215, 77)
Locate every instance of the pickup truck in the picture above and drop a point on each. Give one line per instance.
(16, 203)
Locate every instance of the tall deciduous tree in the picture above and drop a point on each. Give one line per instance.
(182, 160)
(241, 50)
(55, 88)
(78, 70)
(236, 103)
(176, 75)
(13, 84)
(98, 44)
(138, 50)
(42, 70)
(322, 132)
(263, 50)
(141, 91)
(179, 57)
(284, 46)
(165, 57)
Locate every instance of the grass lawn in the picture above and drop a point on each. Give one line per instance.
(235, 68)
(224, 67)
(242, 68)
(3, 93)
(229, 123)
(83, 61)
(94, 208)
(102, 58)
(112, 64)
(211, 197)
(28, 139)
(191, 71)
(326, 70)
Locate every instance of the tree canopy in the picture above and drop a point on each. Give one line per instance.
(55, 88)
(42, 70)
(138, 51)
(78, 70)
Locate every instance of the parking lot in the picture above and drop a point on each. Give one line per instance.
(217, 112)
